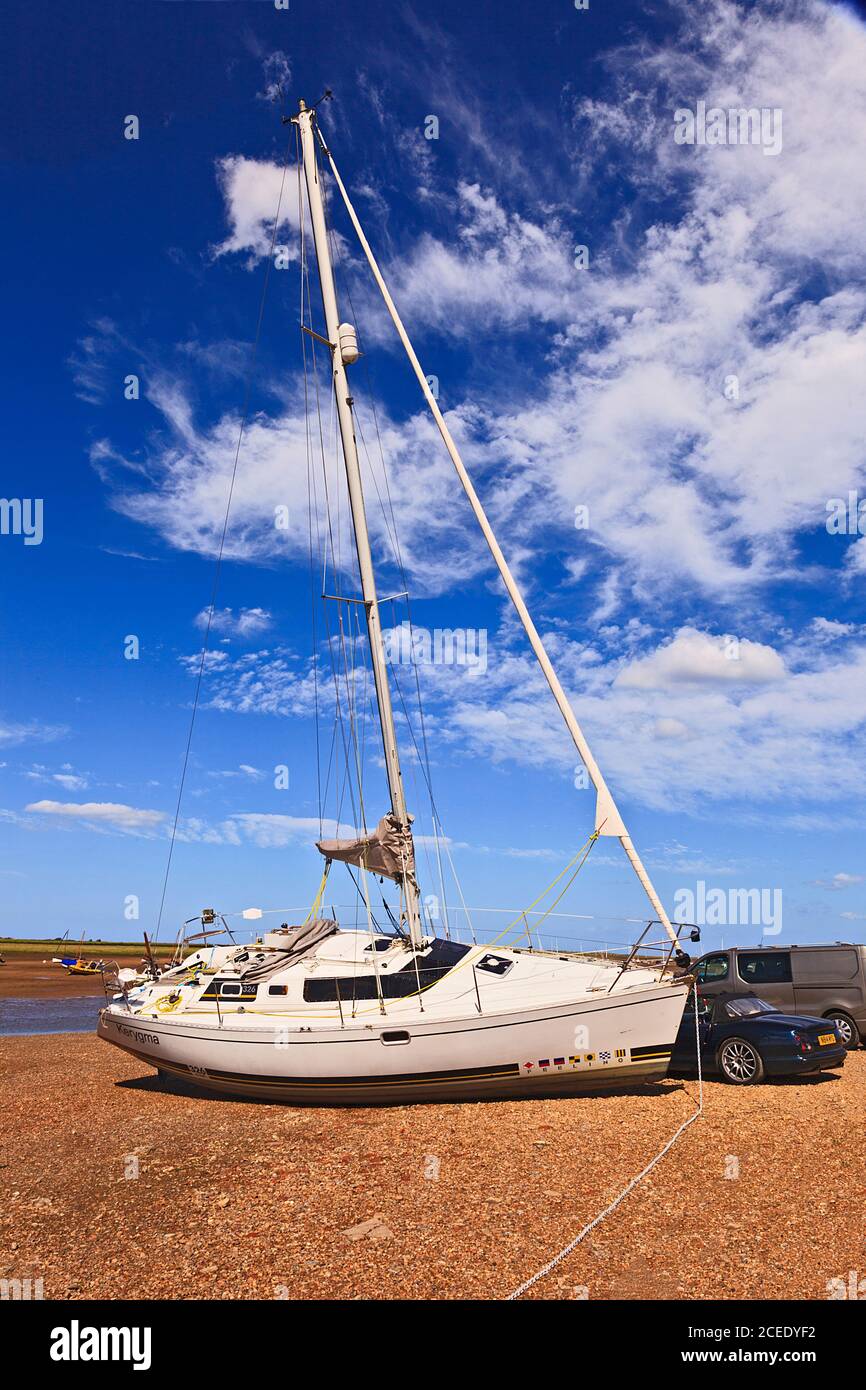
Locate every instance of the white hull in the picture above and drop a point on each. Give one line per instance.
(560, 1049)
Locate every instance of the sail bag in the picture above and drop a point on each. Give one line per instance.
(388, 850)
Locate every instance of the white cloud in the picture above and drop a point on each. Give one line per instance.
(671, 728)
(12, 732)
(672, 744)
(252, 190)
(100, 814)
(89, 362)
(278, 76)
(830, 629)
(629, 417)
(253, 774)
(262, 829)
(182, 491)
(758, 275)
(693, 657)
(209, 661)
(839, 881)
(263, 682)
(247, 622)
(742, 267)
(503, 271)
(276, 831)
(855, 557)
(67, 777)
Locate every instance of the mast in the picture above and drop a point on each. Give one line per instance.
(344, 350)
(608, 820)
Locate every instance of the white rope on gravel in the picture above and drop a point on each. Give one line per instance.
(557, 1259)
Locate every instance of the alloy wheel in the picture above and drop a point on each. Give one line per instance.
(845, 1028)
(740, 1061)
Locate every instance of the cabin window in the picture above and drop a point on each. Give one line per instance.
(278, 989)
(441, 957)
(331, 989)
(230, 988)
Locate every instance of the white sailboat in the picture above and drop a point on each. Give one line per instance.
(320, 1014)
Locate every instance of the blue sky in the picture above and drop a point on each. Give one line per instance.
(698, 388)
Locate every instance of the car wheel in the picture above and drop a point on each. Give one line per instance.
(847, 1030)
(740, 1062)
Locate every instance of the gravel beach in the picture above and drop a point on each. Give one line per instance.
(243, 1200)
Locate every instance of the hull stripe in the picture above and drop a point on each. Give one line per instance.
(427, 1086)
(325, 1083)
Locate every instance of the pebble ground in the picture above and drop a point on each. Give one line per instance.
(762, 1198)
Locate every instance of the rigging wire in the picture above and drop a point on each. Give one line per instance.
(350, 649)
(310, 490)
(353, 674)
(392, 531)
(339, 721)
(218, 567)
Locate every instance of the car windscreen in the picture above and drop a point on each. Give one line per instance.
(747, 1008)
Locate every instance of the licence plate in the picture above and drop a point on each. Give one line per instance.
(826, 1039)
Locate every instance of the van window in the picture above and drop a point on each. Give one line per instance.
(712, 968)
(824, 967)
(764, 967)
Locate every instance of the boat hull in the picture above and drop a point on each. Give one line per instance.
(553, 1051)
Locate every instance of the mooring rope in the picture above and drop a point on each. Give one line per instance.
(572, 1245)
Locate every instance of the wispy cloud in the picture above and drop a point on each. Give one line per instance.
(795, 740)
(839, 881)
(101, 815)
(243, 770)
(90, 361)
(247, 622)
(12, 731)
(65, 777)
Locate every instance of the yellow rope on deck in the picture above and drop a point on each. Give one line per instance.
(317, 900)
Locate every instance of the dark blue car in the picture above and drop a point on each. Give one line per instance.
(744, 1039)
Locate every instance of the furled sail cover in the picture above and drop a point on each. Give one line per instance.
(300, 942)
(388, 850)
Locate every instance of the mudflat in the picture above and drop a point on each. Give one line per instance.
(119, 1188)
(26, 977)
